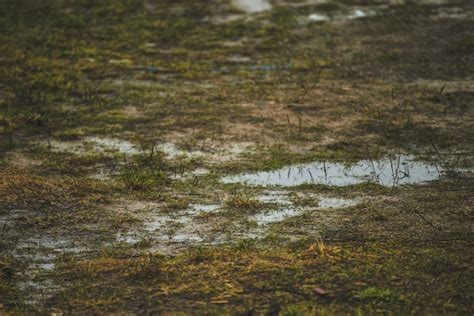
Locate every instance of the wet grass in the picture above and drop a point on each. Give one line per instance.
(251, 279)
(298, 92)
(242, 202)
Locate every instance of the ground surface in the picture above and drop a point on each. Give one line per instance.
(126, 126)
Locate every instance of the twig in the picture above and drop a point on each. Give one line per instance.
(427, 221)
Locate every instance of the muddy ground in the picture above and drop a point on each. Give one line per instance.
(236, 157)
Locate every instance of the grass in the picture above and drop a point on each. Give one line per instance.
(242, 202)
(305, 92)
(373, 293)
(137, 179)
(8, 267)
(271, 279)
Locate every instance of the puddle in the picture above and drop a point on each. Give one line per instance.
(252, 6)
(282, 209)
(57, 244)
(212, 153)
(332, 202)
(39, 254)
(167, 222)
(172, 151)
(46, 266)
(285, 208)
(357, 14)
(345, 13)
(122, 146)
(9, 219)
(167, 230)
(354, 14)
(180, 219)
(91, 145)
(204, 208)
(38, 289)
(277, 197)
(170, 232)
(276, 216)
(200, 172)
(316, 17)
(390, 171)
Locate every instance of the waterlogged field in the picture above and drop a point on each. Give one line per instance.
(236, 157)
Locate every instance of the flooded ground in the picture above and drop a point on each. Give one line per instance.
(236, 157)
(252, 6)
(167, 232)
(93, 145)
(390, 171)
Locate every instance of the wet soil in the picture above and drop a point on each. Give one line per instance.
(236, 157)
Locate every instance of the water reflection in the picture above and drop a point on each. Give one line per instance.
(252, 6)
(390, 171)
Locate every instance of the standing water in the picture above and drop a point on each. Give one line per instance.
(252, 6)
(390, 171)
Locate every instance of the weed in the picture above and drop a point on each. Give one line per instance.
(142, 179)
(242, 202)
